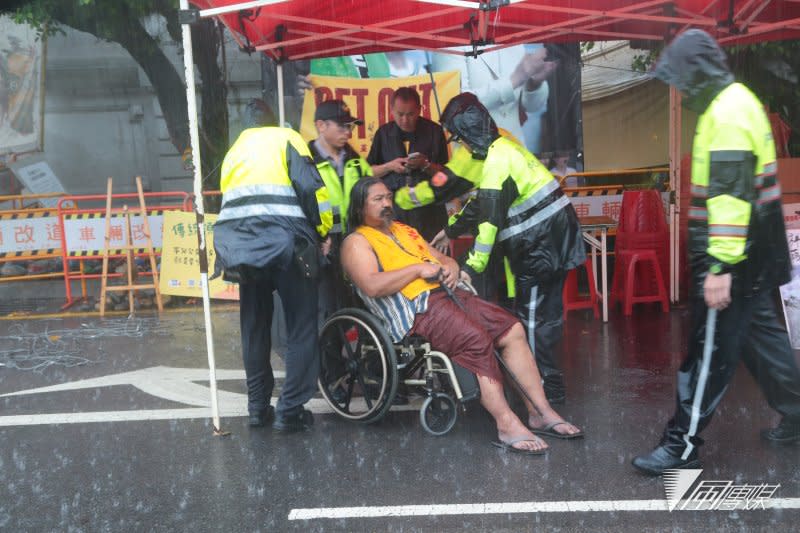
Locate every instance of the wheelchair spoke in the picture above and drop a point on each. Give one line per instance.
(362, 336)
(345, 342)
(336, 386)
(364, 389)
(358, 359)
(349, 395)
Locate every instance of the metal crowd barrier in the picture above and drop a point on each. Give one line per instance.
(84, 221)
(29, 232)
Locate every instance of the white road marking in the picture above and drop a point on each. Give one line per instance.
(168, 383)
(165, 382)
(504, 508)
(315, 405)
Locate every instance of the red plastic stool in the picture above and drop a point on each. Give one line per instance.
(647, 261)
(572, 299)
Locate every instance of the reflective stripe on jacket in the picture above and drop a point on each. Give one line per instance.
(268, 172)
(516, 193)
(734, 121)
(735, 216)
(355, 168)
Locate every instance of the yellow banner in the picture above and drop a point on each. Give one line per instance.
(370, 101)
(180, 267)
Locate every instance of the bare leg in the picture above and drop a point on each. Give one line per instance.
(517, 355)
(508, 425)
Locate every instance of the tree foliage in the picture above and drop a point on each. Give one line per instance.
(771, 70)
(123, 22)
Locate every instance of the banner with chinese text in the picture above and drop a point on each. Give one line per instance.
(370, 100)
(605, 205)
(29, 234)
(790, 293)
(84, 233)
(180, 268)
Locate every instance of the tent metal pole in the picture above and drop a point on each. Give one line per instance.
(281, 108)
(194, 137)
(675, 187)
(223, 10)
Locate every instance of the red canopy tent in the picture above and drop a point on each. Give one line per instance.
(297, 29)
(304, 29)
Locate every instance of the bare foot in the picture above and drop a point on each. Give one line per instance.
(523, 442)
(512, 429)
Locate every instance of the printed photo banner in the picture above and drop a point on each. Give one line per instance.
(21, 68)
(370, 100)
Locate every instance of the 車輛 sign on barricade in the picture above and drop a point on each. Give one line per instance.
(602, 201)
(83, 230)
(84, 233)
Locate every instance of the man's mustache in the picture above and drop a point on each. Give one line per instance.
(387, 211)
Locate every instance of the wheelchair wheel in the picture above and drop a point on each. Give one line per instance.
(358, 374)
(438, 414)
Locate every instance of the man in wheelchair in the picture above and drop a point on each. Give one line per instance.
(400, 277)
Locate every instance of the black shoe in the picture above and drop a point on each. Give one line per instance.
(556, 399)
(554, 390)
(784, 433)
(400, 399)
(262, 417)
(339, 395)
(654, 463)
(300, 421)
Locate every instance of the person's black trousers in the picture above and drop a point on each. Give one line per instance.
(299, 299)
(541, 310)
(334, 292)
(751, 329)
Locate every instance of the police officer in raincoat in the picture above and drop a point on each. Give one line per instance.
(738, 254)
(275, 214)
(520, 206)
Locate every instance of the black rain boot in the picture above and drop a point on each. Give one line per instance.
(661, 459)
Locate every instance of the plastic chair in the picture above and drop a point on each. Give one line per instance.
(644, 282)
(642, 227)
(642, 212)
(572, 299)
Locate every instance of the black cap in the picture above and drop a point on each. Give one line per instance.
(337, 111)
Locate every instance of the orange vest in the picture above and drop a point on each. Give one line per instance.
(406, 249)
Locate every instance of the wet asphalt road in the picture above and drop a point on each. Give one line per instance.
(159, 468)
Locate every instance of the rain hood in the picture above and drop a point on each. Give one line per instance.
(467, 118)
(695, 64)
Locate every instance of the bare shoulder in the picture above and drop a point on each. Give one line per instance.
(358, 257)
(354, 243)
(356, 249)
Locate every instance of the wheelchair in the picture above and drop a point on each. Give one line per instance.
(361, 369)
